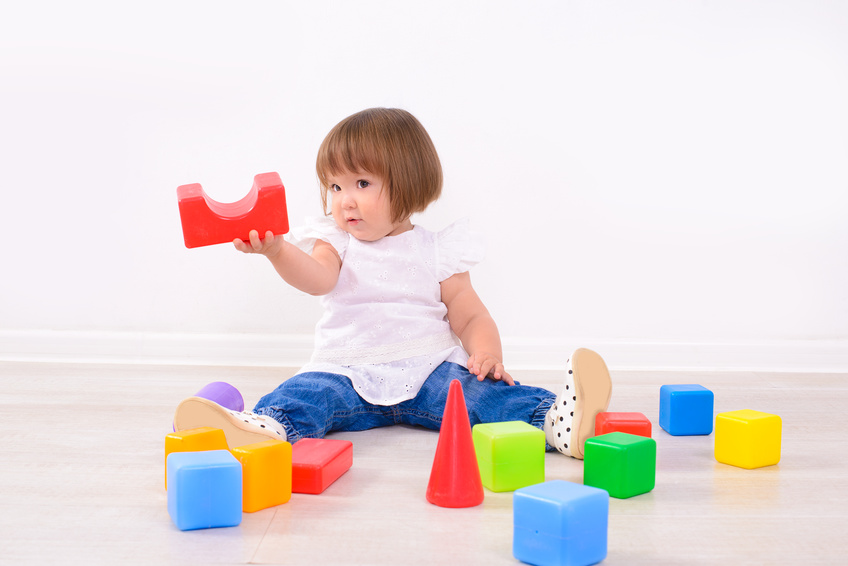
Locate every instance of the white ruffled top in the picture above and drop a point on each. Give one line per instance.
(384, 325)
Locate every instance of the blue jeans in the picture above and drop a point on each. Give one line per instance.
(309, 405)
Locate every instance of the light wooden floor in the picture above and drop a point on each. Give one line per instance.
(82, 480)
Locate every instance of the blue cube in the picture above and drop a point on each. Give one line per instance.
(204, 489)
(559, 523)
(686, 410)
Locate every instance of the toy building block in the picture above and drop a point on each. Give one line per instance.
(193, 440)
(748, 439)
(631, 423)
(623, 464)
(206, 222)
(266, 474)
(205, 489)
(318, 462)
(560, 523)
(455, 477)
(686, 410)
(510, 454)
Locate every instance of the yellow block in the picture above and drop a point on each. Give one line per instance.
(266, 473)
(747, 439)
(194, 440)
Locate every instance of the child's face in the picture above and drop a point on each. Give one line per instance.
(360, 206)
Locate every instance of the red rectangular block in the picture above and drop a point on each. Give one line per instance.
(631, 423)
(317, 463)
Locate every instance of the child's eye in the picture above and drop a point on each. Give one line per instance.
(334, 188)
(362, 184)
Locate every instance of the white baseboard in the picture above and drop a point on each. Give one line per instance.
(277, 350)
(281, 350)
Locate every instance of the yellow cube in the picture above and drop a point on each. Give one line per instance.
(194, 440)
(266, 473)
(747, 439)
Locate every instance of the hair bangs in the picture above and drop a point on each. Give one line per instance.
(349, 148)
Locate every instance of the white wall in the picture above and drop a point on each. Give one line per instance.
(644, 172)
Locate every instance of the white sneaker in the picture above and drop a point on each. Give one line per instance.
(240, 427)
(587, 391)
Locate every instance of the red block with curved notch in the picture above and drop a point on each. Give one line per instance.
(207, 222)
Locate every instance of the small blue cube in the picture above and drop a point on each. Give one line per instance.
(204, 489)
(686, 410)
(559, 523)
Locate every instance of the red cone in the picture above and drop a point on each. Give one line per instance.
(455, 477)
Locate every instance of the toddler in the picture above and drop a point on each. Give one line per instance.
(401, 318)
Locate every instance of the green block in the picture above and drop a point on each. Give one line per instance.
(510, 455)
(623, 464)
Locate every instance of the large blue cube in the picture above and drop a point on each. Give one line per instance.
(559, 523)
(686, 410)
(204, 489)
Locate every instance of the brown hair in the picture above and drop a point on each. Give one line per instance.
(392, 144)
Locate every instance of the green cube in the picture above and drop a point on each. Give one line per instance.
(510, 455)
(623, 464)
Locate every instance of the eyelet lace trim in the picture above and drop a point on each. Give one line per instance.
(388, 352)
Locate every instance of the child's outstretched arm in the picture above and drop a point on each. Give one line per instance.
(315, 274)
(476, 328)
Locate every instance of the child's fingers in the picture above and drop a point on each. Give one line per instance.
(504, 376)
(474, 367)
(255, 241)
(255, 244)
(487, 366)
(483, 366)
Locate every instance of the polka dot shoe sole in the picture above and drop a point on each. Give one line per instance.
(586, 393)
(240, 428)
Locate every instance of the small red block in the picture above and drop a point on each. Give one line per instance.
(631, 423)
(317, 463)
(206, 222)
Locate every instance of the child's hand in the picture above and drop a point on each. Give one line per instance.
(485, 365)
(269, 246)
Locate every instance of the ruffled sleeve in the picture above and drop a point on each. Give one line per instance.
(458, 249)
(319, 228)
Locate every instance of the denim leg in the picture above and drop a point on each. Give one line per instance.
(487, 401)
(309, 405)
